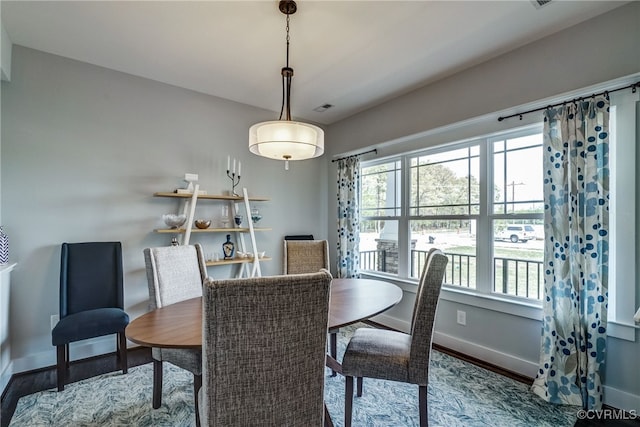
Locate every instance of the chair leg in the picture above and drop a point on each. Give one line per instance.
(328, 422)
(157, 384)
(333, 348)
(359, 386)
(61, 363)
(67, 356)
(348, 401)
(197, 384)
(422, 401)
(122, 352)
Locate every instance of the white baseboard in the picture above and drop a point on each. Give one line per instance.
(622, 400)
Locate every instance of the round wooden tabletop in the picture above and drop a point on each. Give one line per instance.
(353, 300)
(179, 325)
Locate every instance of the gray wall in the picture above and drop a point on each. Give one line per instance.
(466, 105)
(83, 150)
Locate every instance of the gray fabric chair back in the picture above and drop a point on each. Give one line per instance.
(420, 287)
(264, 347)
(174, 273)
(305, 256)
(424, 316)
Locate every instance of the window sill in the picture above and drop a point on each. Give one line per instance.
(622, 330)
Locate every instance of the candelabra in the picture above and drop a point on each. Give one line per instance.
(231, 173)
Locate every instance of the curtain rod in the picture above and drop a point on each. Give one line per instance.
(355, 155)
(632, 86)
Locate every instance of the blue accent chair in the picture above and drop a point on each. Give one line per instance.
(91, 300)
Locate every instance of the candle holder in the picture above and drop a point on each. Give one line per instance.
(235, 180)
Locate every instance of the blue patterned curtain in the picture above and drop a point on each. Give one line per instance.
(576, 221)
(348, 217)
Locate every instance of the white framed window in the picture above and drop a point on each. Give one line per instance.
(450, 197)
(516, 213)
(380, 208)
(481, 201)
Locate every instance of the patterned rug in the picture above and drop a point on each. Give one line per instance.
(460, 394)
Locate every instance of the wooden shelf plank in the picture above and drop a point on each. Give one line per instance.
(235, 261)
(210, 197)
(207, 230)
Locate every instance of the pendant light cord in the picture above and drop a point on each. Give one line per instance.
(287, 74)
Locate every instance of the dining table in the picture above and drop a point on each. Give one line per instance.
(179, 325)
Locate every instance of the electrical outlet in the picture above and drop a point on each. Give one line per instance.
(54, 320)
(462, 317)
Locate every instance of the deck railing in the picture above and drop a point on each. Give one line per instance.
(373, 260)
(512, 276)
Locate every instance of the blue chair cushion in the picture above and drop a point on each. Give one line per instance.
(89, 324)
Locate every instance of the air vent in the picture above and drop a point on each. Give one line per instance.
(539, 3)
(322, 108)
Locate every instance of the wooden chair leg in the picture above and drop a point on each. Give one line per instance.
(67, 356)
(333, 348)
(197, 384)
(61, 363)
(157, 384)
(122, 352)
(348, 401)
(422, 401)
(359, 386)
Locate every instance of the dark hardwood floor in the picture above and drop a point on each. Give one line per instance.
(44, 379)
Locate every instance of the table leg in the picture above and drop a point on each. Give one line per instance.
(333, 347)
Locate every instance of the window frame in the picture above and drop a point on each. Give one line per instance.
(484, 219)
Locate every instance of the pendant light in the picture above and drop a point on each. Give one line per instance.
(284, 139)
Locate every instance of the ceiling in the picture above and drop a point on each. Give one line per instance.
(351, 54)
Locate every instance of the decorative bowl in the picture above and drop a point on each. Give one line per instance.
(174, 221)
(202, 223)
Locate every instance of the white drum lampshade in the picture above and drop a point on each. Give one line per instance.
(286, 140)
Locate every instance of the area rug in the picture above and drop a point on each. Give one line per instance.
(460, 394)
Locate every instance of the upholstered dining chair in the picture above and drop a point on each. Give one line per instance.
(174, 274)
(397, 356)
(309, 256)
(305, 256)
(264, 348)
(91, 300)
